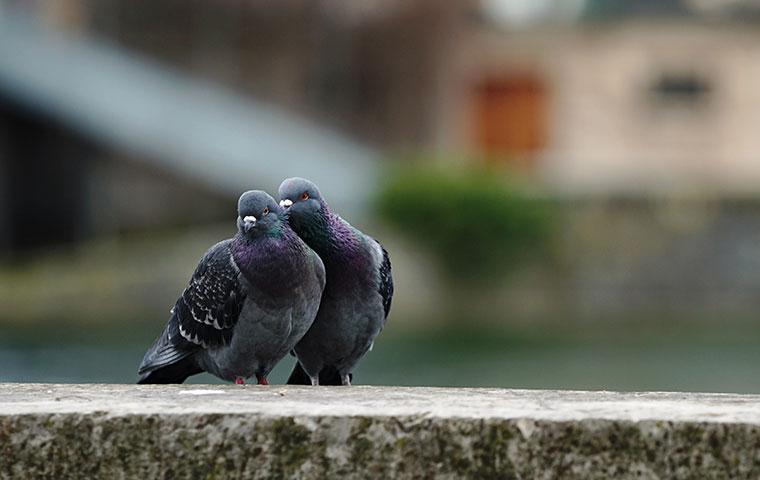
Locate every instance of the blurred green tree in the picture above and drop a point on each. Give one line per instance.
(476, 221)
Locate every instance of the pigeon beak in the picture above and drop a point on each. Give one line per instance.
(286, 203)
(249, 222)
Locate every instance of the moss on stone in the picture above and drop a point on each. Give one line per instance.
(290, 446)
(196, 444)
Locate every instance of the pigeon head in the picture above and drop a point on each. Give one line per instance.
(258, 213)
(300, 198)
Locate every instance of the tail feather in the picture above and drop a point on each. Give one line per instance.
(170, 359)
(172, 373)
(328, 376)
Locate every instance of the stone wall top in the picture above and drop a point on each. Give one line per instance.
(288, 400)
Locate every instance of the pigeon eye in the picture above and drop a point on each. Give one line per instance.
(266, 211)
(304, 196)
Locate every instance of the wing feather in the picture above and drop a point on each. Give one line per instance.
(386, 282)
(205, 314)
(208, 309)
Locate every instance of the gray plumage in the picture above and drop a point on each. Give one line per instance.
(357, 297)
(249, 301)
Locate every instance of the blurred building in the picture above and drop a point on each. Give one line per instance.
(60, 185)
(95, 140)
(635, 97)
(639, 115)
(373, 68)
(598, 96)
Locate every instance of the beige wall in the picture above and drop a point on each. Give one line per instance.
(606, 130)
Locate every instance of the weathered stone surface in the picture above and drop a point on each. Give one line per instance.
(122, 431)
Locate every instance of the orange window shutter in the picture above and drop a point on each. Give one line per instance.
(509, 115)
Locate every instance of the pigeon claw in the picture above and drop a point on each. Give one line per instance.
(262, 380)
(239, 381)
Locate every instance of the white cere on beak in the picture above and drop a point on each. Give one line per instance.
(249, 219)
(286, 203)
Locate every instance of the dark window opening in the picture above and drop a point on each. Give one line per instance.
(684, 89)
(45, 184)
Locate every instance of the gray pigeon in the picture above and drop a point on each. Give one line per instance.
(251, 298)
(357, 296)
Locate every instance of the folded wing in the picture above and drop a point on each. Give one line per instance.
(205, 314)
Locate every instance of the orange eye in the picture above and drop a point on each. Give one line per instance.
(266, 211)
(304, 196)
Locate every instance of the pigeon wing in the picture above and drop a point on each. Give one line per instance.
(210, 306)
(204, 315)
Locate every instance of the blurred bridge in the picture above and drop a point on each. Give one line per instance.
(197, 129)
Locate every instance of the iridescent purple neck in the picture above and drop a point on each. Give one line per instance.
(269, 262)
(335, 241)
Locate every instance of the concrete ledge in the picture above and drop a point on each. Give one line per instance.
(123, 431)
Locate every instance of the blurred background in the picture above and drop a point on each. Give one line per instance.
(569, 189)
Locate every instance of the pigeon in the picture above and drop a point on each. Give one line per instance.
(357, 297)
(249, 301)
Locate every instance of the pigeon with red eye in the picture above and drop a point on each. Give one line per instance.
(357, 297)
(249, 301)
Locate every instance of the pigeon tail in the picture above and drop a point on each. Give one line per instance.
(327, 376)
(172, 373)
